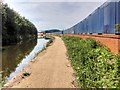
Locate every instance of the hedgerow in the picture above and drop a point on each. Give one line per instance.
(95, 65)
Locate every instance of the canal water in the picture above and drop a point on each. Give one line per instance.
(15, 57)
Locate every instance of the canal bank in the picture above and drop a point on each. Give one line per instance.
(50, 69)
(16, 57)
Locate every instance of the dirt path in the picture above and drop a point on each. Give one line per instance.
(51, 70)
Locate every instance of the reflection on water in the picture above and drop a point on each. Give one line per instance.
(14, 58)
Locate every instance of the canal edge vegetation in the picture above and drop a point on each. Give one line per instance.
(95, 65)
(49, 43)
(15, 28)
(3, 80)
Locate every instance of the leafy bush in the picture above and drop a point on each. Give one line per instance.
(95, 65)
(3, 80)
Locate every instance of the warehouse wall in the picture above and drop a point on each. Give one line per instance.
(102, 21)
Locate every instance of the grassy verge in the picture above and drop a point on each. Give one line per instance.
(49, 43)
(59, 35)
(95, 65)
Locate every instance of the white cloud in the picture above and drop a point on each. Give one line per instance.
(48, 15)
(55, 0)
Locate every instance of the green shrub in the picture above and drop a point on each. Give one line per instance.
(95, 65)
(3, 80)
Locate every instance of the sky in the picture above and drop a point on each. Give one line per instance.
(54, 14)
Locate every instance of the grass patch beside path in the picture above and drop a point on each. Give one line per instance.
(95, 65)
(49, 43)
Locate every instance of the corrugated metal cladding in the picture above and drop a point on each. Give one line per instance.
(102, 20)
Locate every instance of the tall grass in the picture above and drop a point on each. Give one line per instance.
(95, 65)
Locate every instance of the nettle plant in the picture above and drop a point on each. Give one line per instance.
(95, 65)
(117, 28)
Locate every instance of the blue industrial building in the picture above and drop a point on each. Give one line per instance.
(104, 20)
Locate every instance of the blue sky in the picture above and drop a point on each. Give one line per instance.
(54, 14)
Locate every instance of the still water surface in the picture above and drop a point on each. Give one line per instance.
(15, 57)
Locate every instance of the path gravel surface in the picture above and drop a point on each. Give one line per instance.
(51, 69)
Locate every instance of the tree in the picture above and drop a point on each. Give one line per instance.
(15, 28)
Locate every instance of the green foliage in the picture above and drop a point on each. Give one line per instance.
(50, 41)
(3, 80)
(15, 27)
(95, 65)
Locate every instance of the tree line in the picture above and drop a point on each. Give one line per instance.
(15, 28)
